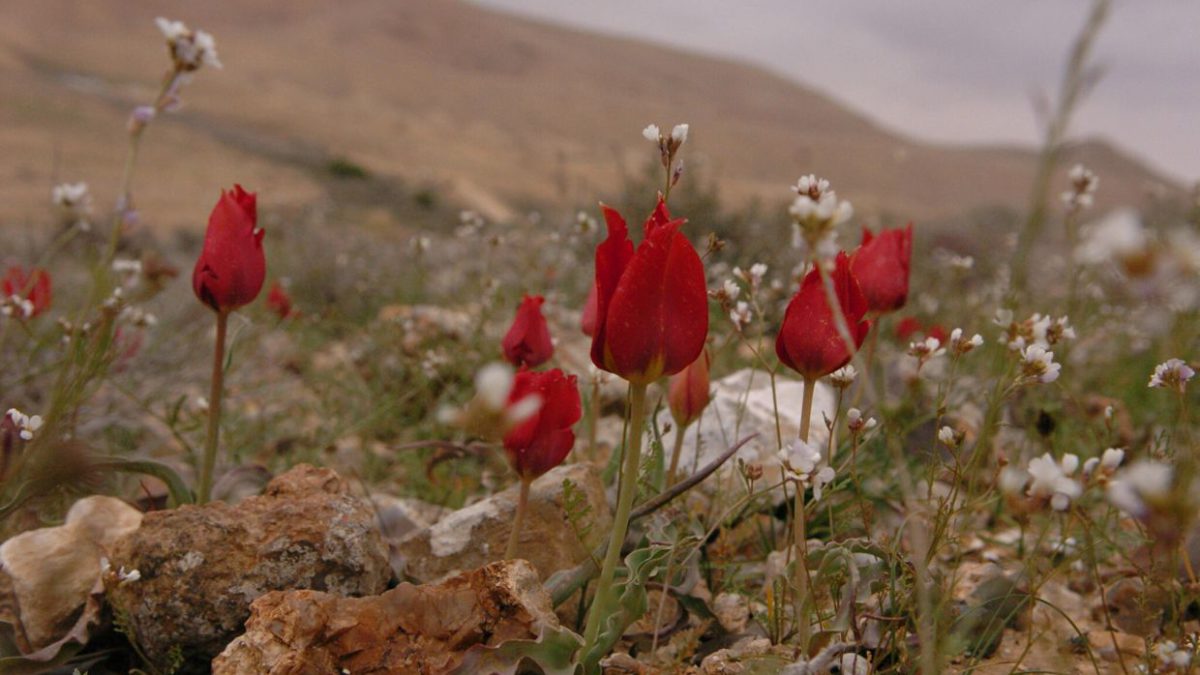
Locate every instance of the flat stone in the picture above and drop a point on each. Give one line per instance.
(409, 629)
(477, 534)
(52, 571)
(202, 566)
(742, 404)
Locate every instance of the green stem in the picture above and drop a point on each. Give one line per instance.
(798, 528)
(214, 410)
(628, 486)
(675, 452)
(510, 551)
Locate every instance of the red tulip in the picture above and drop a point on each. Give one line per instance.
(527, 342)
(808, 341)
(907, 327)
(588, 321)
(652, 304)
(687, 392)
(33, 286)
(231, 268)
(544, 440)
(881, 266)
(280, 302)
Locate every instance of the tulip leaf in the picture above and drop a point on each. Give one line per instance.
(627, 602)
(178, 490)
(554, 653)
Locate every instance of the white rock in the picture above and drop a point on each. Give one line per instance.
(742, 404)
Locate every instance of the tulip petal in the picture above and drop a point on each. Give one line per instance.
(612, 257)
(657, 319)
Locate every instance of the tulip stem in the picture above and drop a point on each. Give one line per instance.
(628, 487)
(803, 629)
(675, 452)
(214, 410)
(510, 551)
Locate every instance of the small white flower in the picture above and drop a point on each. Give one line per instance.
(948, 437)
(1083, 188)
(493, 383)
(26, 425)
(1038, 364)
(1172, 374)
(856, 423)
(1112, 458)
(740, 315)
(1141, 482)
(962, 262)
(1119, 236)
(73, 200)
(732, 290)
(651, 133)
(960, 346)
(1013, 480)
(189, 49)
(812, 186)
(129, 577)
(1051, 480)
(802, 463)
(757, 272)
(926, 349)
(679, 134)
(844, 376)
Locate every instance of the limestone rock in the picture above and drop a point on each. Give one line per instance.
(202, 566)
(477, 534)
(741, 405)
(409, 629)
(52, 571)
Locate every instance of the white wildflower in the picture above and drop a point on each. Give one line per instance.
(926, 349)
(962, 262)
(493, 383)
(960, 346)
(856, 423)
(731, 289)
(812, 186)
(679, 134)
(757, 272)
(802, 463)
(844, 376)
(1112, 458)
(26, 425)
(949, 437)
(1052, 480)
(74, 203)
(740, 315)
(1037, 364)
(1083, 188)
(651, 133)
(1013, 480)
(1172, 374)
(189, 49)
(1139, 483)
(1119, 237)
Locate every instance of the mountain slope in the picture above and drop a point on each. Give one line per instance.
(491, 107)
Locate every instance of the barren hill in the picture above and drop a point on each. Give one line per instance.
(494, 109)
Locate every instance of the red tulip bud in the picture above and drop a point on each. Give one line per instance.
(808, 341)
(652, 304)
(543, 440)
(231, 268)
(687, 393)
(280, 302)
(881, 266)
(528, 342)
(33, 287)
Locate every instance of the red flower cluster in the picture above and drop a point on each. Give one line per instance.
(33, 286)
(543, 441)
(232, 267)
(528, 343)
(652, 303)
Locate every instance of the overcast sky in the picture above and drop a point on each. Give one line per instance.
(946, 70)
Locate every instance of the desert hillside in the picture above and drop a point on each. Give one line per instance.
(490, 109)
